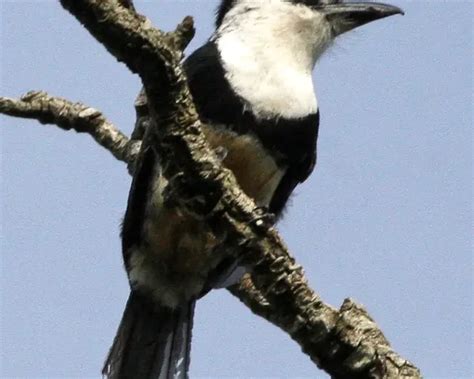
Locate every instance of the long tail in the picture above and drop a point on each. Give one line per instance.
(151, 342)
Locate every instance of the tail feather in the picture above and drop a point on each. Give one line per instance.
(151, 342)
(179, 358)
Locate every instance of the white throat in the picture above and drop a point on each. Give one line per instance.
(268, 49)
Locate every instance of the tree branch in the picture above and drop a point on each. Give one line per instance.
(345, 343)
(76, 116)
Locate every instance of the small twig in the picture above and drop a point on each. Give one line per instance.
(71, 116)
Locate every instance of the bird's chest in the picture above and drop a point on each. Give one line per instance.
(256, 170)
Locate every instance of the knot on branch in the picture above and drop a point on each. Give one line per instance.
(357, 348)
(127, 4)
(54, 110)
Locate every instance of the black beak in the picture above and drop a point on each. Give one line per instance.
(347, 16)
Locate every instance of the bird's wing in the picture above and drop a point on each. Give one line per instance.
(140, 191)
(303, 154)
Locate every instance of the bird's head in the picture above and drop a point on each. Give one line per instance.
(345, 16)
(269, 47)
(316, 22)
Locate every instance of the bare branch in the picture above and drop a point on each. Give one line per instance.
(356, 347)
(344, 342)
(71, 116)
(183, 34)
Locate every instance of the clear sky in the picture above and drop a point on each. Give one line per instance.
(386, 218)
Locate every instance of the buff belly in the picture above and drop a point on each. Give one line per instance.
(177, 252)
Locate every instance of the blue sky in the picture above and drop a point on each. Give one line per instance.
(386, 218)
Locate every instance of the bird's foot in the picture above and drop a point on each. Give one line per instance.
(263, 217)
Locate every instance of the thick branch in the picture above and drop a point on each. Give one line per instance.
(246, 290)
(345, 343)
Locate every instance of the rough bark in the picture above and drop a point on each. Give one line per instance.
(345, 342)
(67, 115)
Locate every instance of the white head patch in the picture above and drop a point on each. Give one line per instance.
(268, 49)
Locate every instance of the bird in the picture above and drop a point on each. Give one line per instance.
(253, 89)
